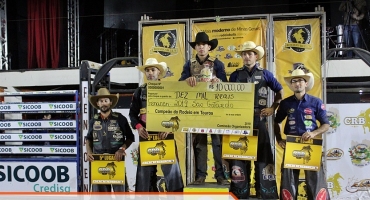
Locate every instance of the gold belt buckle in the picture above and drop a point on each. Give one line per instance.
(143, 111)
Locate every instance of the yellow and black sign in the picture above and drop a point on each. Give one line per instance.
(220, 108)
(301, 154)
(157, 152)
(106, 170)
(231, 35)
(166, 43)
(239, 147)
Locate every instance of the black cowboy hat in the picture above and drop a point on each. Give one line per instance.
(202, 37)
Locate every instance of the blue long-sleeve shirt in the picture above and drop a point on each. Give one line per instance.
(301, 114)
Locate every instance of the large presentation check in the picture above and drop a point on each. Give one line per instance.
(220, 108)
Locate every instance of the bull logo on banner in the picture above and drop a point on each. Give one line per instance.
(299, 38)
(165, 43)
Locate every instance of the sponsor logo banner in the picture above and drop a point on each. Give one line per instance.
(37, 107)
(157, 152)
(239, 147)
(37, 150)
(301, 154)
(38, 177)
(106, 170)
(38, 137)
(37, 124)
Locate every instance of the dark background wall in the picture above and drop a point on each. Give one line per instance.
(119, 19)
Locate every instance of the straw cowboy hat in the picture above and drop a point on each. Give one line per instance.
(202, 37)
(299, 73)
(103, 93)
(152, 62)
(251, 46)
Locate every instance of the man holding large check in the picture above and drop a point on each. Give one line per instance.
(205, 68)
(156, 147)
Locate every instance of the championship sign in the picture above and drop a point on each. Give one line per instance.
(239, 147)
(219, 108)
(106, 170)
(301, 154)
(157, 152)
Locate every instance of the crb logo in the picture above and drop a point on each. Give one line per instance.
(299, 154)
(4, 107)
(61, 106)
(354, 121)
(109, 170)
(5, 124)
(159, 150)
(32, 174)
(29, 107)
(241, 144)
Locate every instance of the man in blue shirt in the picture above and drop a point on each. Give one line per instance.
(251, 72)
(302, 111)
(205, 68)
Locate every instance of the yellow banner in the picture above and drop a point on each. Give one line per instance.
(303, 154)
(239, 147)
(106, 170)
(230, 35)
(220, 108)
(157, 152)
(166, 43)
(298, 41)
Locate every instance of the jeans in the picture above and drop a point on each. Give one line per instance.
(201, 155)
(352, 38)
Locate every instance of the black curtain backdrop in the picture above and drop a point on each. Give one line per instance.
(93, 21)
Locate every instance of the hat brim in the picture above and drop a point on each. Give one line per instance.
(158, 66)
(213, 43)
(258, 50)
(308, 77)
(94, 99)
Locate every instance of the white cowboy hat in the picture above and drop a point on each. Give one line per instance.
(299, 73)
(103, 93)
(251, 46)
(152, 62)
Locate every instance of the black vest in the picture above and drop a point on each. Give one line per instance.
(261, 90)
(143, 95)
(107, 134)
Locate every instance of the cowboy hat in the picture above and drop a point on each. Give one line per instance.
(152, 62)
(251, 46)
(299, 73)
(202, 37)
(103, 93)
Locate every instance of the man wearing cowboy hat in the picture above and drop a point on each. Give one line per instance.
(109, 133)
(205, 68)
(146, 176)
(263, 79)
(302, 111)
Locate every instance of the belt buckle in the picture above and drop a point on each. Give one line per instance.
(143, 111)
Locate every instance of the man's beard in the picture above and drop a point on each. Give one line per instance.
(104, 109)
